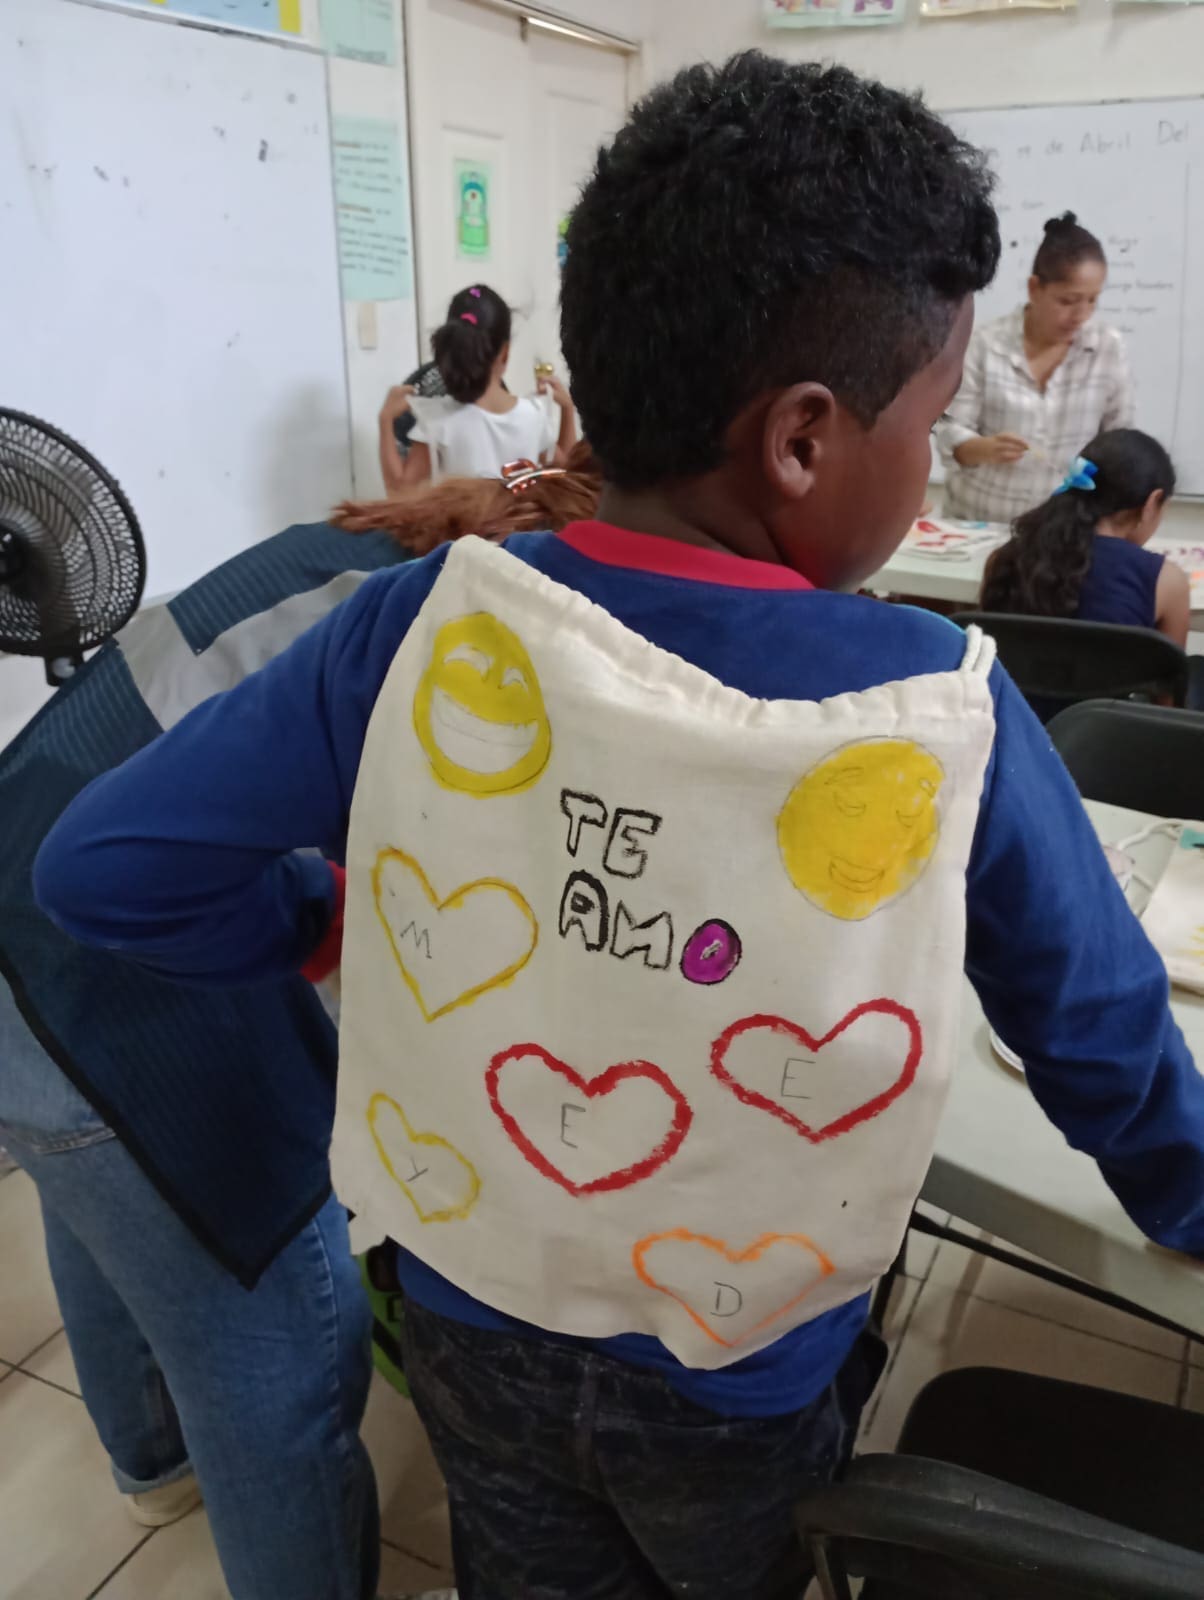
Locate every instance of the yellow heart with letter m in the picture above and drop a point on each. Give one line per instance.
(451, 951)
(441, 1184)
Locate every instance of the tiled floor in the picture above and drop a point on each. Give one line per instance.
(65, 1536)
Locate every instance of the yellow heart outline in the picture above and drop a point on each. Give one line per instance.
(452, 903)
(449, 1213)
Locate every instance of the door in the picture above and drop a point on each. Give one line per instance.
(507, 118)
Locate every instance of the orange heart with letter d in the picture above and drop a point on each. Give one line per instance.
(731, 1294)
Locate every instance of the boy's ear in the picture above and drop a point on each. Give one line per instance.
(797, 438)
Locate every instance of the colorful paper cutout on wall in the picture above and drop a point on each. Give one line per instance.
(833, 13)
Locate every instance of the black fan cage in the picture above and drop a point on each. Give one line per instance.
(80, 561)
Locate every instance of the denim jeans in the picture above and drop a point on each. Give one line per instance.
(260, 1391)
(576, 1477)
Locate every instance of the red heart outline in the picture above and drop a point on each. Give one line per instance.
(850, 1119)
(683, 1116)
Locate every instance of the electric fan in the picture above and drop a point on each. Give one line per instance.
(72, 560)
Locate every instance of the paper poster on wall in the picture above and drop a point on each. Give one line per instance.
(474, 183)
(360, 30)
(269, 16)
(833, 13)
(373, 206)
(964, 8)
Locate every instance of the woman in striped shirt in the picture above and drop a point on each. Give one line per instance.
(1037, 383)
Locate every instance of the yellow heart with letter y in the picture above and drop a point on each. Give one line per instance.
(451, 951)
(441, 1184)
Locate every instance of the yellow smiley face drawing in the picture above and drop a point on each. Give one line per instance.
(858, 829)
(478, 710)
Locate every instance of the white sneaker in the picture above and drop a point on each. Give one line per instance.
(155, 1508)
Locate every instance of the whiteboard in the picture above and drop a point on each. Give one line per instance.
(1133, 172)
(170, 292)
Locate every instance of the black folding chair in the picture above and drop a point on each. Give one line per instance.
(1013, 1487)
(1148, 758)
(1057, 661)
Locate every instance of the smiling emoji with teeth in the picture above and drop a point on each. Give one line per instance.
(859, 828)
(479, 711)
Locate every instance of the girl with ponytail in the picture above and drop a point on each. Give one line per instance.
(478, 426)
(1080, 554)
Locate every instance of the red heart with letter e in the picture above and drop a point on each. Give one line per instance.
(753, 1037)
(631, 1120)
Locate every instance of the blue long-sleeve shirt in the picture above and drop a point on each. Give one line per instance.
(184, 859)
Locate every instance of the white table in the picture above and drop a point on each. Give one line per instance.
(911, 572)
(1003, 1166)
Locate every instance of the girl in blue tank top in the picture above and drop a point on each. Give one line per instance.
(1082, 553)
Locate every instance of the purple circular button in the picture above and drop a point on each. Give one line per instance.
(711, 953)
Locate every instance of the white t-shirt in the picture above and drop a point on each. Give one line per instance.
(469, 442)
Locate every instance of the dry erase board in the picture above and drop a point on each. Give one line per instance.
(170, 289)
(1134, 174)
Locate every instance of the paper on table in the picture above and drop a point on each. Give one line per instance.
(1174, 918)
(952, 541)
(373, 210)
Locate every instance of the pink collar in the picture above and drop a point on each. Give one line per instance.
(644, 552)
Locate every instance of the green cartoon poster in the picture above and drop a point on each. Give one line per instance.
(474, 182)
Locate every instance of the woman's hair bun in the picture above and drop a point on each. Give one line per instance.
(1066, 220)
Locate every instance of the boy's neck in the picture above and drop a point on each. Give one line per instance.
(688, 513)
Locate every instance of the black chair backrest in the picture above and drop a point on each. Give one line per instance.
(1056, 661)
(924, 1530)
(1148, 758)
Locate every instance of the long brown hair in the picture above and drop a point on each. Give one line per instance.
(1040, 571)
(432, 513)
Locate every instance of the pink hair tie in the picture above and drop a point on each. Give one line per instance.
(467, 316)
(475, 293)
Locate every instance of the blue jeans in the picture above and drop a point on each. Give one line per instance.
(260, 1392)
(573, 1476)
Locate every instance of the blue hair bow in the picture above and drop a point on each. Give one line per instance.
(1081, 475)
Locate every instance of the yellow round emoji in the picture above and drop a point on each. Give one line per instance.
(858, 829)
(478, 710)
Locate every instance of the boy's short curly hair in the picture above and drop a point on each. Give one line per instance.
(756, 225)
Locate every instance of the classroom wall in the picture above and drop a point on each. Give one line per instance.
(359, 90)
(1099, 52)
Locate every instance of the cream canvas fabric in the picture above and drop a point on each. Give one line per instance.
(1174, 916)
(649, 988)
